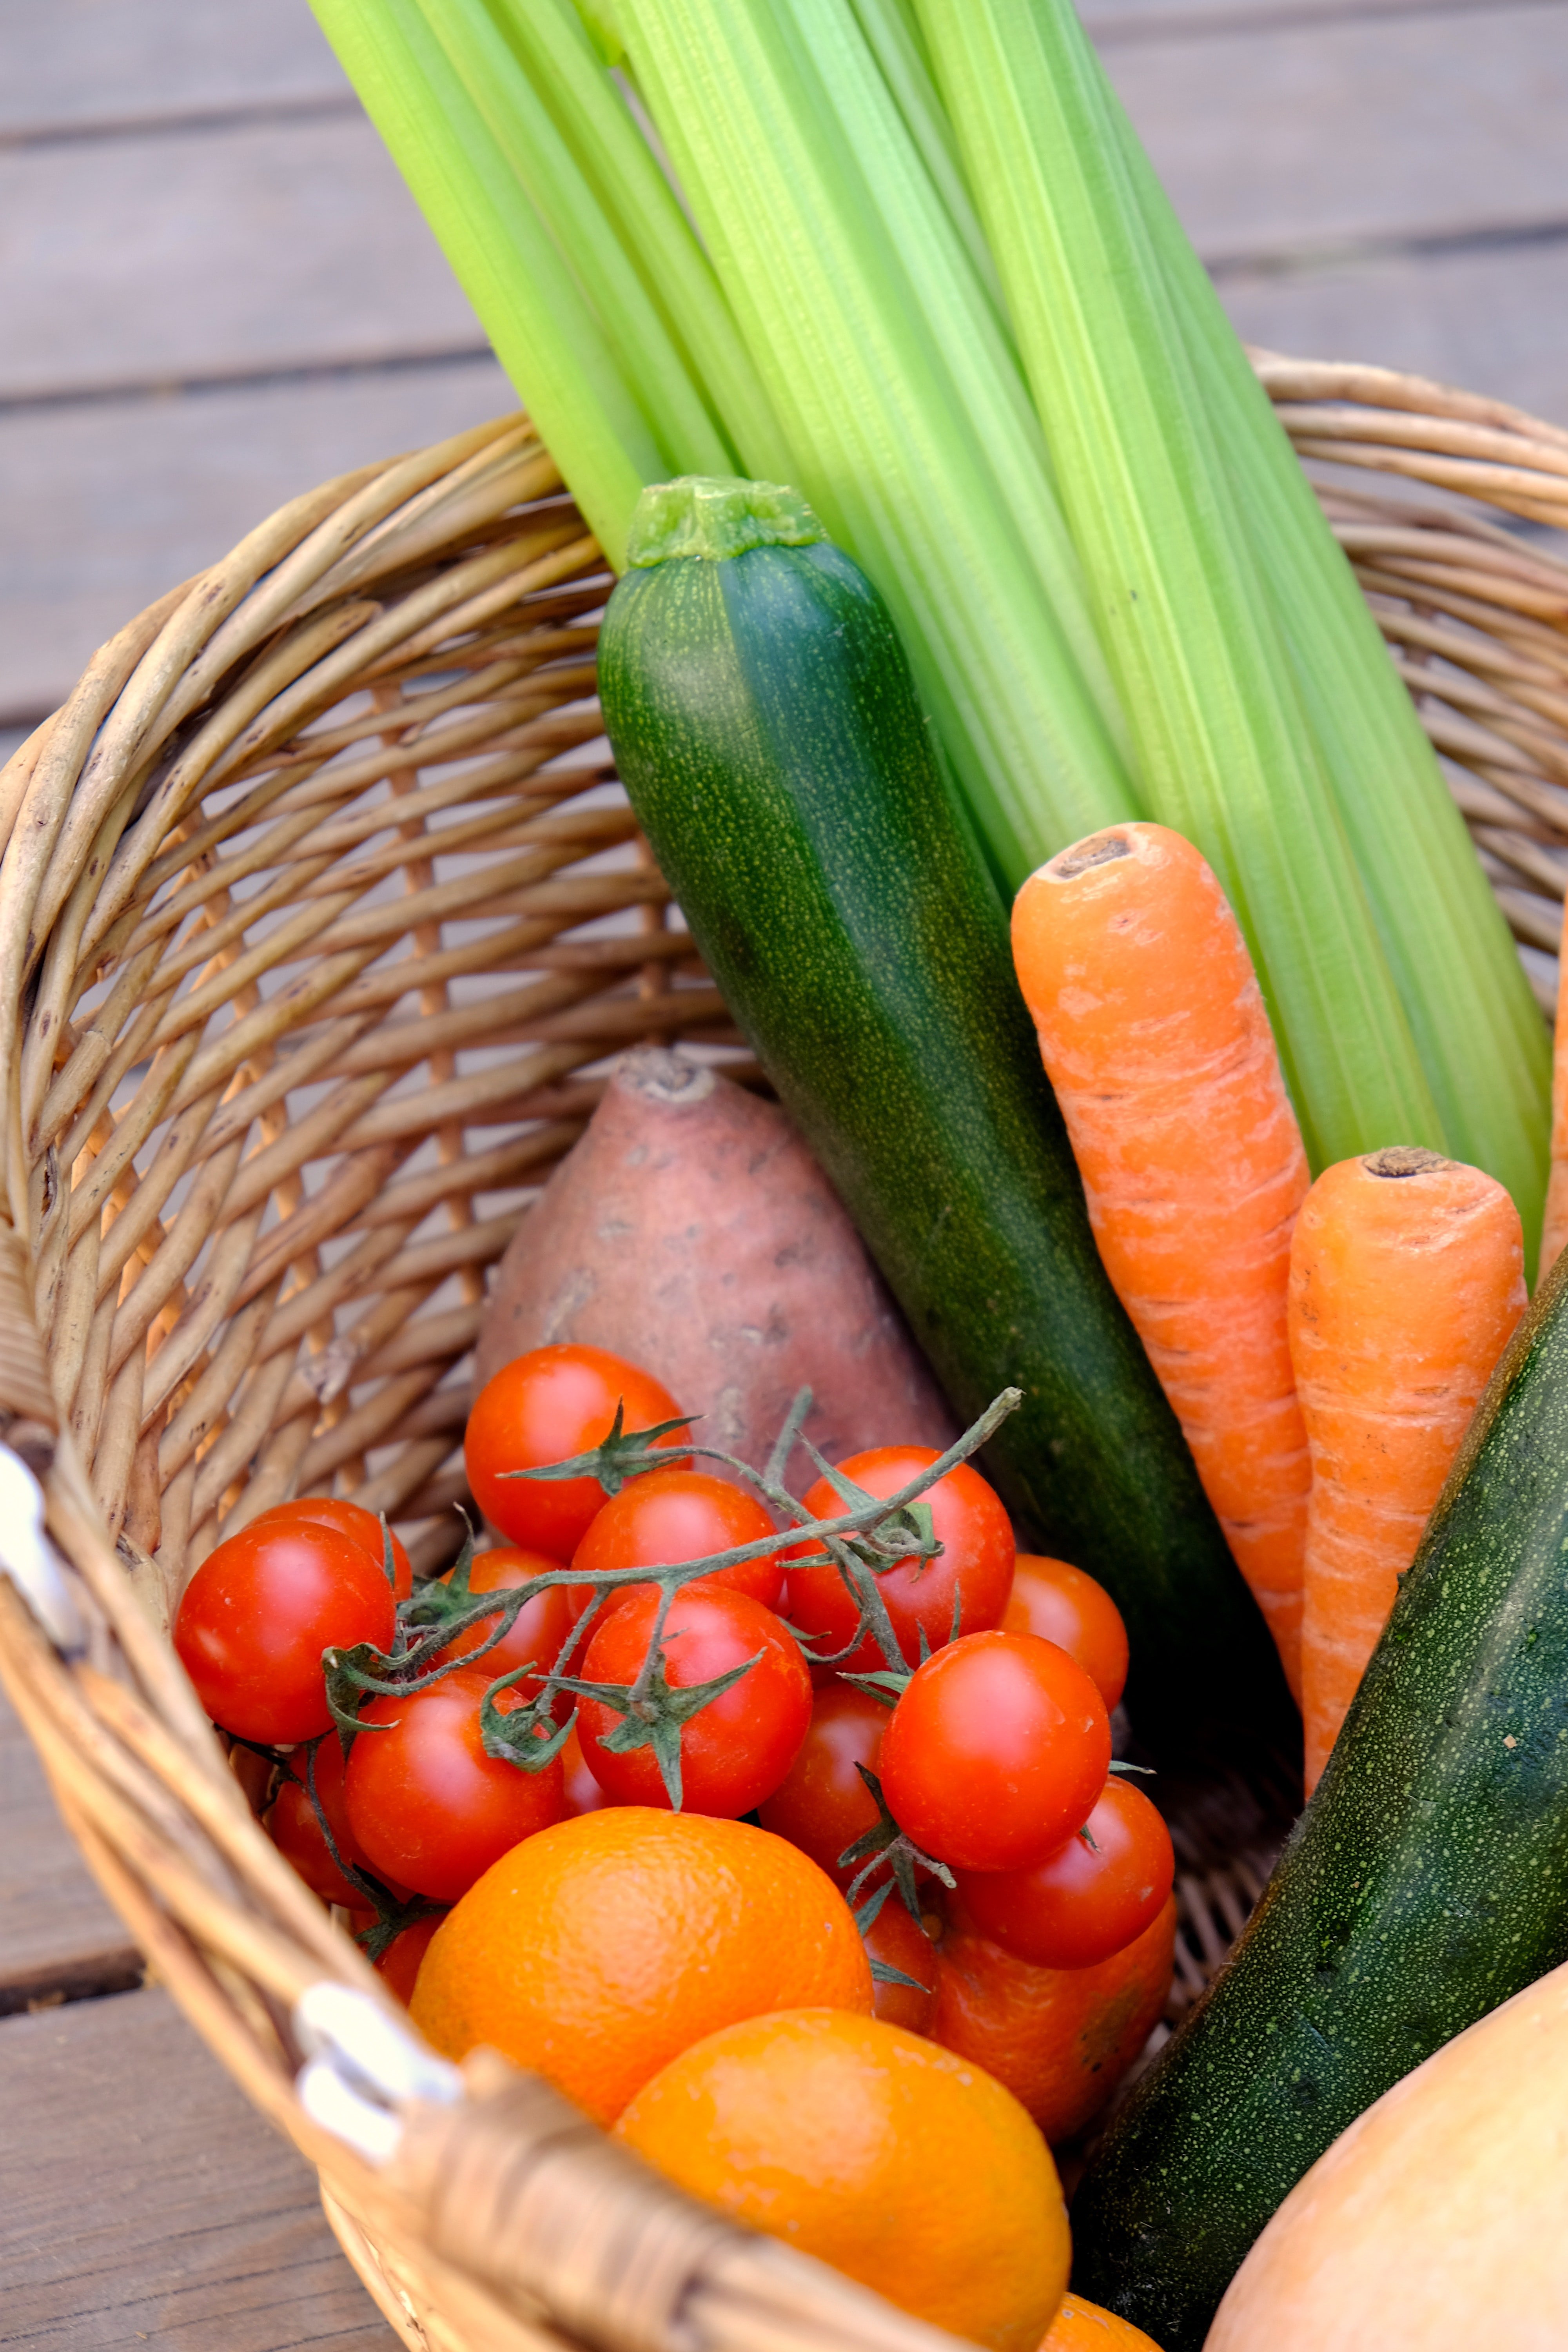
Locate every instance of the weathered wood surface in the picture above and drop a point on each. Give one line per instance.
(202, 255)
(57, 1936)
(143, 2201)
(107, 504)
(1299, 138)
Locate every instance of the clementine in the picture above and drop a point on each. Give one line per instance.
(1080, 2327)
(1060, 2039)
(598, 1949)
(902, 2166)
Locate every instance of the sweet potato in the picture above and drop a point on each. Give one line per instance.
(690, 1230)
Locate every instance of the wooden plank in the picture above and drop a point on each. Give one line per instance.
(215, 253)
(84, 61)
(59, 1939)
(107, 505)
(1385, 129)
(1138, 20)
(143, 2201)
(1495, 322)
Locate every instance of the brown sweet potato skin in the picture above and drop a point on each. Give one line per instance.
(690, 1230)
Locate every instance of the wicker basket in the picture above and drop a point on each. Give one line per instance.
(322, 913)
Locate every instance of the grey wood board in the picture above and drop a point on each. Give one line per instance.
(1494, 323)
(259, 246)
(107, 506)
(95, 61)
(1386, 129)
(142, 2201)
(57, 1935)
(1136, 20)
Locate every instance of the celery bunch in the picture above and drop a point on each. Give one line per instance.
(918, 266)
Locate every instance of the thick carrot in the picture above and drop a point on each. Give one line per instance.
(1155, 1038)
(1554, 1228)
(1406, 1279)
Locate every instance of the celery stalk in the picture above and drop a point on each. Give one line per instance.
(898, 391)
(625, 189)
(1482, 1042)
(652, 364)
(532, 306)
(1225, 752)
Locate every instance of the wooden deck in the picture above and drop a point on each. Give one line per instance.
(217, 293)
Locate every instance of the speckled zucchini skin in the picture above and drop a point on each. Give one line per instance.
(765, 725)
(1427, 1882)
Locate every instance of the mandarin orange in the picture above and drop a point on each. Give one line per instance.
(872, 2149)
(1080, 2327)
(1060, 2039)
(598, 1949)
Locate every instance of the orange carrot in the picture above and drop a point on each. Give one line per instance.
(1154, 1034)
(1555, 1230)
(1406, 1279)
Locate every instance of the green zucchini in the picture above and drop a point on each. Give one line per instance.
(1426, 1882)
(765, 726)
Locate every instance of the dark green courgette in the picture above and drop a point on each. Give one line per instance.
(765, 725)
(1427, 1882)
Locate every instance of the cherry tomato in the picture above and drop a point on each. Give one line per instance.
(1063, 1605)
(351, 1519)
(429, 1807)
(583, 1794)
(539, 1629)
(995, 1752)
(976, 1559)
(399, 1964)
(667, 1517)
(902, 1943)
(292, 1826)
(822, 1804)
(545, 1407)
(734, 1751)
(1082, 1903)
(257, 1614)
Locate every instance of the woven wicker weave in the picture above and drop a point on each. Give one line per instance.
(322, 913)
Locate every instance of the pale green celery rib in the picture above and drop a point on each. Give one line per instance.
(634, 199)
(652, 367)
(919, 460)
(964, 320)
(1483, 1045)
(544, 334)
(894, 40)
(1224, 751)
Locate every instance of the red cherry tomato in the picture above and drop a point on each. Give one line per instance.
(734, 1751)
(545, 1407)
(901, 1943)
(583, 1794)
(429, 1807)
(257, 1616)
(399, 1964)
(351, 1519)
(539, 1629)
(1063, 1605)
(995, 1752)
(976, 1559)
(822, 1804)
(1082, 1904)
(292, 1826)
(667, 1516)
